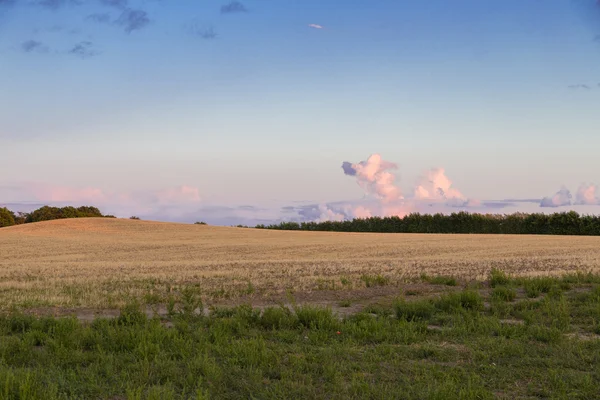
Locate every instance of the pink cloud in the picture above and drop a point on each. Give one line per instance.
(181, 198)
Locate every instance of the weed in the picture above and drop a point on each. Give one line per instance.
(316, 318)
(345, 303)
(503, 293)
(345, 281)
(535, 286)
(375, 280)
(413, 310)
(498, 278)
(465, 300)
(440, 280)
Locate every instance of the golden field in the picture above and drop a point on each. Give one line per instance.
(107, 262)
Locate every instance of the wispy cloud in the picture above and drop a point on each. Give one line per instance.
(101, 18)
(115, 3)
(56, 4)
(315, 26)
(57, 29)
(203, 31)
(31, 46)
(233, 7)
(580, 86)
(83, 50)
(133, 20)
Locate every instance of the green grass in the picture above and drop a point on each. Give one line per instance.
(503, 293)
(498, 278)
(375, 280)
(439, 280)
(451, 346)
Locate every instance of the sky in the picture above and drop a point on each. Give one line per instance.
(257, 111)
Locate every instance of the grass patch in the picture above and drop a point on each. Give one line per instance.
(440, 348)
(345, 303)
(465, 300)
(498, 278)
(414, 310)
(536, 286)
(439, 280)
(503, 293)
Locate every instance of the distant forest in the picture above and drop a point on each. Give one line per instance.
(46, 213)
(565, 223)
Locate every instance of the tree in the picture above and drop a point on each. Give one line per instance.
(7, 217)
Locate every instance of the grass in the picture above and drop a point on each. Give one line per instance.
(446, 346)
(439, 280)
(375, 280)
(107, 263)
(503, 293)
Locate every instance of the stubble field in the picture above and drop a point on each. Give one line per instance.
(117, 309)
(107, 263)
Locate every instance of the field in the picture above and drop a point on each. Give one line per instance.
(107, 263)
(120, 309)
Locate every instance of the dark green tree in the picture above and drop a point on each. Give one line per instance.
(7, 217)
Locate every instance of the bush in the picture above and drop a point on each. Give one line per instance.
(200, 223)
(134, 217)
(7, 217)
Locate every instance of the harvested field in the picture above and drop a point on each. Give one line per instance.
(106, 263)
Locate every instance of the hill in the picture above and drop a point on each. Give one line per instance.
(95, 262)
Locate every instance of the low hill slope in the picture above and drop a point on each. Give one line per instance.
(86, 261)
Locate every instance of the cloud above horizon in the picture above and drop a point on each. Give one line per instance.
(33, 45)
(178, 199)
(586, 195)
(385, 198)
(233, 8)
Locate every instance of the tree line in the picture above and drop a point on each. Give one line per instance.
(564, 223)
(47, 213)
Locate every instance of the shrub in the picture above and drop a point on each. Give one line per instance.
(200, 223)
(134, 217)
(7, 217)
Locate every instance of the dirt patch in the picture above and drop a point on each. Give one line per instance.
(583, 336)
(512, 322)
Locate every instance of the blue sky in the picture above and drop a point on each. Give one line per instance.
(140, 100)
